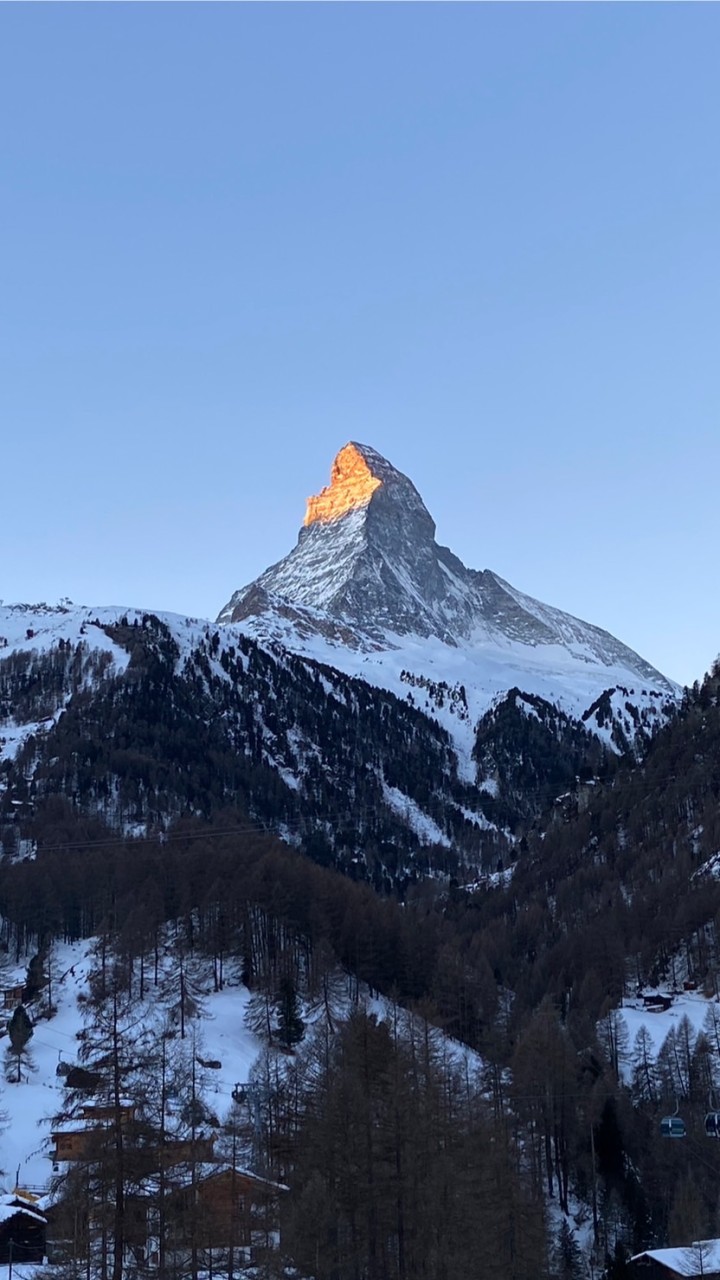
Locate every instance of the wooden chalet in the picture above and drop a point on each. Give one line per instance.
(13, 996)
(211, 1212)
(210, 1209)
(230, 1203)
(23, 1229)
(76, 1144)
(83, 1138)
(657, 1002)
(218, 1208)
(684, 1263)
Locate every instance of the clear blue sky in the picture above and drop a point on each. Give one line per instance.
(482, 239)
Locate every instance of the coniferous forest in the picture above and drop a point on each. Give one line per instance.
(448, 1087)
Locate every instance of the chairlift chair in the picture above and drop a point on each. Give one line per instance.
(712, 1119)
(712, 1124)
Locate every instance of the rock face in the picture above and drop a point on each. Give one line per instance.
(352, 484)
(367, 561)
(366, 554)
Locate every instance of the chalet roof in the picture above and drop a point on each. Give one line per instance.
(208, 1170)
(37, 1200)
(100, 1103)
(97, 1115)
(12, 1204)
(685, 1261)
(81, 1125)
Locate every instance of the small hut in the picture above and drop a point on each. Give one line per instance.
(13, 996)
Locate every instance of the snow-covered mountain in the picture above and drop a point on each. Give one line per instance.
(369, 590)
(139, 719)
(367, 697)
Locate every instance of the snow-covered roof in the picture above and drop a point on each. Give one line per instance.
(699, 1259)
(246, 1173)
(12, 1204)
(207, 1170)
(81, 1125)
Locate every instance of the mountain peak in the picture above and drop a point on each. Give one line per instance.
(358, 476)
(353, 481)
(367, 568)
(365, 537)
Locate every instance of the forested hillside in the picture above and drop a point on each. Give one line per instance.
(361, 779)
(436, 965)
(140, 720)
(562, 1110)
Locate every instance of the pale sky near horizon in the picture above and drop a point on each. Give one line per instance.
(483, 239)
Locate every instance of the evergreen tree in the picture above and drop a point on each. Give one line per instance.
(20, 1030)
(36, 978)
(616, 1267)
(645, 1083)
(567, 1254)
(291, 1027)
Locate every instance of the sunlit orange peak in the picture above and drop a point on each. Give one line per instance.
(352, 484)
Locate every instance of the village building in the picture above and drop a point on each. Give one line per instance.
(687, 1262)
(208, 1212)
(217, 1207)
(86, 1138)
(106, 1111)
(211, 1212)
(81, 1139)
(23, 1229)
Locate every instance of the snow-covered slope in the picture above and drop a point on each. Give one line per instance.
(140, 718)
(219, 1034)
(368, 590)
(33, 631)
(31, 1104)
(41, 626)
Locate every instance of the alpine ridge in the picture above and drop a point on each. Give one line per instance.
(368, 589)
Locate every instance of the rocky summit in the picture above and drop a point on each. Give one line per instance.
(368, 573)
(366, 555)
